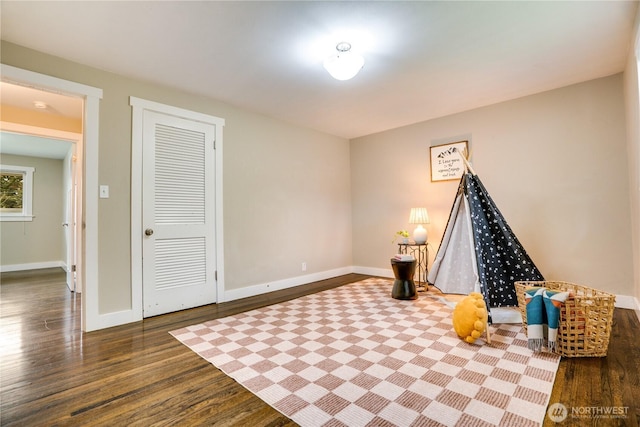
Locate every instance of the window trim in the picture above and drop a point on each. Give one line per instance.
(27, 194)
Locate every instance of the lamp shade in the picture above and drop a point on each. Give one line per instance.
(344, 64)
(419, 216)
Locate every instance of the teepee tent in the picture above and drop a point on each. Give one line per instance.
(479, 252)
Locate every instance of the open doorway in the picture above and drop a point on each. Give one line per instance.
(38, 213)
(41, 134)
(87, 259)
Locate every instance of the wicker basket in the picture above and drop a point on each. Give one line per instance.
(585, 318)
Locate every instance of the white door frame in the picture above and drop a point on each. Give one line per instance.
(88, 263)
(139, 106)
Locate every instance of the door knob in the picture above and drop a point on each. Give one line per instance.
(148, 231)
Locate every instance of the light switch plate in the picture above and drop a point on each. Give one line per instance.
(104, 191)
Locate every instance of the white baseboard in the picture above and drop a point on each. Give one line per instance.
(108, 320)
(627, 301)
(371, 271)
(622, 301)
(31, 266)
(127, 316)
(263, 288)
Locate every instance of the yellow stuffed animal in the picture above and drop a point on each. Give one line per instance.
(470, 318)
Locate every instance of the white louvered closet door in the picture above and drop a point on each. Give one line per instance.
(179, 257)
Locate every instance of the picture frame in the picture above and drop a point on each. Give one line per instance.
(446, 164)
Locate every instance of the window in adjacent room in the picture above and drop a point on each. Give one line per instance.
(16, 190)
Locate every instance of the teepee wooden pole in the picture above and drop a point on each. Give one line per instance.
(466, 162)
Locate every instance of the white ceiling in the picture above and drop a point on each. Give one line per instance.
(25, 98)
(424, 59)
(34, 146)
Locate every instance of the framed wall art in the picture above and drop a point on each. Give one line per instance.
(446, 164)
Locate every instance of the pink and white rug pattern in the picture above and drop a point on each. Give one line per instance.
(353, 356)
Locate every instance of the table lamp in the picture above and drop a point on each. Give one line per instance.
(419, 216)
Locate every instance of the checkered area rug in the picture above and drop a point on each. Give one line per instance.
(353, 356)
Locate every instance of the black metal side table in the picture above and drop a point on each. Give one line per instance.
(420, 252)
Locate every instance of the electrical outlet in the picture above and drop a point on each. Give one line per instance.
(304, 266)
(104, 191)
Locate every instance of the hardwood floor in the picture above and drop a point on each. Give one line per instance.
(138, 374)
(591, 385)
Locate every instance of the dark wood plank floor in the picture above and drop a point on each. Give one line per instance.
(138, 374)
(594, 385)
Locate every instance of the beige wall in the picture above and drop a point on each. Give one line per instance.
(555, 163)
(287, 201)
(632, 98)
(286, 189)
(40, 241)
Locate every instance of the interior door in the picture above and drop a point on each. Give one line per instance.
(69, 238)
(178, 214)
(69, 224)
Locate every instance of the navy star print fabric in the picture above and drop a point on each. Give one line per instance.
(501, 259)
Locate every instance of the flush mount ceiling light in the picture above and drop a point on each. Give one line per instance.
(345, 64)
